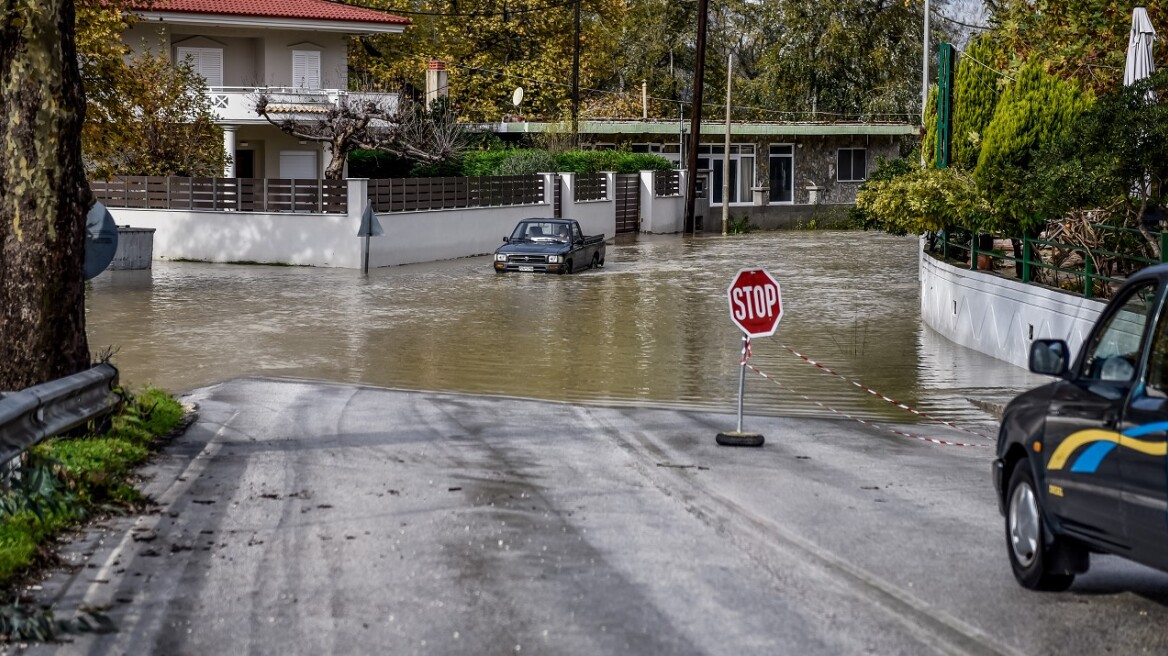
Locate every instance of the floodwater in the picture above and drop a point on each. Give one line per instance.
(652, 327)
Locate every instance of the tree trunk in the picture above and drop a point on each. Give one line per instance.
(43, 195)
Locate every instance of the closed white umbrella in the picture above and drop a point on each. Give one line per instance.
(1139, 48)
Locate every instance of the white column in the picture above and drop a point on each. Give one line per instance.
(229, 149)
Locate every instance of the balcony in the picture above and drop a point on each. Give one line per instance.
(236, 105)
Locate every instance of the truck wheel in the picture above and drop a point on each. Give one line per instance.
(595, 262)
(1030, 554)
(567, 267)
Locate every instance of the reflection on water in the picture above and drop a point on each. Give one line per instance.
(653, 325)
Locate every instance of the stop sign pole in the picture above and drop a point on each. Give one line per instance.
(756, 306)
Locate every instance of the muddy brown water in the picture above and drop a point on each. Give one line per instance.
(651, 327)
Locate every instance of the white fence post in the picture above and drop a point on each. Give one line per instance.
(648, 200)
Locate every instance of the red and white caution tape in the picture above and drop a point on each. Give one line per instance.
(911, 436)
(894, 402)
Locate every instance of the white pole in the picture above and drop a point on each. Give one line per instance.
(644, 99)
(726, 154)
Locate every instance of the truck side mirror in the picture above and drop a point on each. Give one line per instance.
(1049, 357)
(506, 240)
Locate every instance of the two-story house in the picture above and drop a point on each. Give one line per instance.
(296, 51)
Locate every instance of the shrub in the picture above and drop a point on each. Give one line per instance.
(525, 162)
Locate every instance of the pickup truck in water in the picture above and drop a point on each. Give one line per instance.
(549, 246)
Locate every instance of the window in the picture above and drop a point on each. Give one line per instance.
(1115, 352)
(1158, 359)
(851, 165)
(782, 174)
(306, 69)
(741, 171)
(207, 62)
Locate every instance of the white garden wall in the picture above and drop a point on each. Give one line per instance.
(328, 240)
(999, 316)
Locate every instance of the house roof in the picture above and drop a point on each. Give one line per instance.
(318, 12)
(712, 128)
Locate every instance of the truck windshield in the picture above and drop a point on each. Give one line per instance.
(546, 231)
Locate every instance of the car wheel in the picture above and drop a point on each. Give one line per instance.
(1030, 554)
(595, 262)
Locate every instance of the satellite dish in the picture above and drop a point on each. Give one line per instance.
(101, 240)
(517, 96)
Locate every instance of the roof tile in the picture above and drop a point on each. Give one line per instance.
(306, 9)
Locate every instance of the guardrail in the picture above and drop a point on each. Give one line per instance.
(1089, 280)
(33, 415)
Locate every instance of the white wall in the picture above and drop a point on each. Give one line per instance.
(330, 240)
(594, 216)
(663, 215)
(999, 316)
(434, 235)
(307, 239)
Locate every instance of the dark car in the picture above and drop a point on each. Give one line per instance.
(1080, 465)
(549, 246)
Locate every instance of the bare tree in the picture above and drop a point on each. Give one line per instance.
(43, 195)
(407, 129)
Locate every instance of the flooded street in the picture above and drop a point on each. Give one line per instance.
(652, 326)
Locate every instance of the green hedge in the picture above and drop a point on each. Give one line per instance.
(506, 161)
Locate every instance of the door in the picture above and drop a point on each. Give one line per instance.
(306, 69)
(782, 174)
(207, 62)
(1141, 453)
(628, 202)
(245, 164)
(1083, 422)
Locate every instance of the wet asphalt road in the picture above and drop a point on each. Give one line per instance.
(310, 518)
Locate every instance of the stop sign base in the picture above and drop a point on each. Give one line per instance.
(734, 438)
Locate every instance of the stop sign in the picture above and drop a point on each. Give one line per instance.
(755, 302)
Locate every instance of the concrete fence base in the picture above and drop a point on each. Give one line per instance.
(330, 240)
(999, 316)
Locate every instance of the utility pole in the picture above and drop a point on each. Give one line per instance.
(924, 78)
(576, 82)
(695, 122)
(726, 151)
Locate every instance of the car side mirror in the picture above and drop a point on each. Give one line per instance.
(1049, 357)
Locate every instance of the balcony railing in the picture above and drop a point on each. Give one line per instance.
(237, 104)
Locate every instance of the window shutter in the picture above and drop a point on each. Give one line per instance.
(306, 69)
(207, 62)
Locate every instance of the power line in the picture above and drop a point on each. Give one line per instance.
(983, 65)
(748, 108)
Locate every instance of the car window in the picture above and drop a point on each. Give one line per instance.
(1158, 359)
(576, 232)
(1114, 354)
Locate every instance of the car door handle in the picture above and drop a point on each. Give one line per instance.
(1111, 419)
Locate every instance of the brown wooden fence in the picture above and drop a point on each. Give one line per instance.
(666, 183)
(413, 194)
(591, 186)
(224, 194)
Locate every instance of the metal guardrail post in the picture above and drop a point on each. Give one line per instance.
(31, 416)
(1025, 258)
(973, 251)
(1088, 274)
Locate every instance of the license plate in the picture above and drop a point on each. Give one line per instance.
(526, 269)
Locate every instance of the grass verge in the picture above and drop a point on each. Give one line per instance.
(63, 482)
